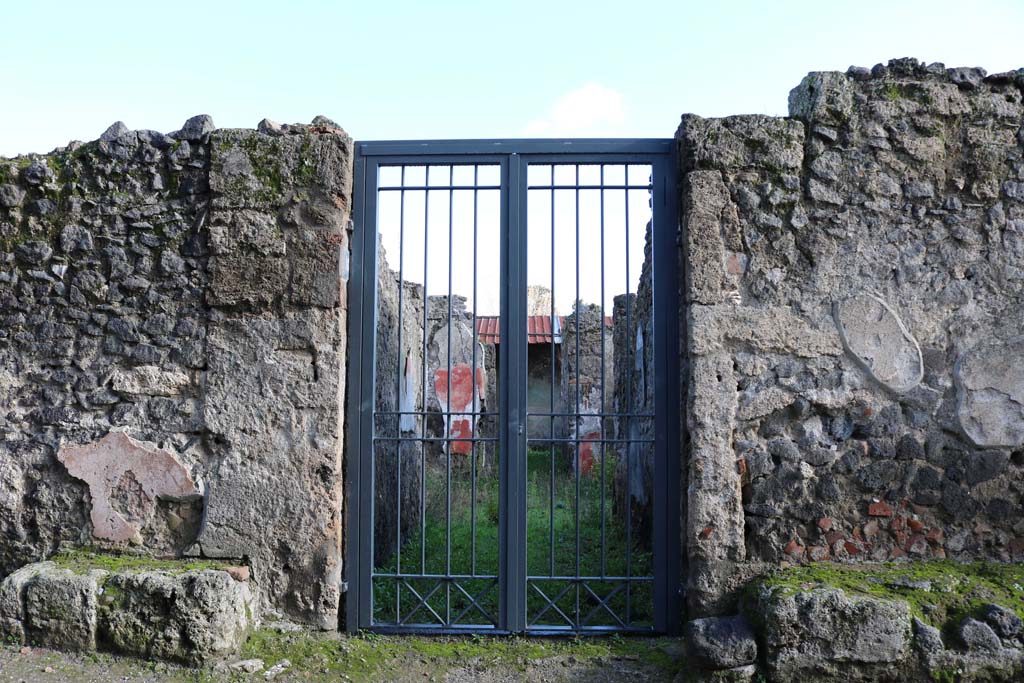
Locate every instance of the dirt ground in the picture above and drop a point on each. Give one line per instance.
(319, 657)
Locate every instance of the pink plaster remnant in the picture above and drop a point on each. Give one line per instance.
(115, 461)
(587, 443)
(462, 400)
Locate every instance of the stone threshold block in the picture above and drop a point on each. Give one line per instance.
(909, 622)
(188, 612)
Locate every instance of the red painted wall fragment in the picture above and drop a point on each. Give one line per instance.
(461, 400)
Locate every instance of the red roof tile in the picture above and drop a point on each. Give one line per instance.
(538, 329)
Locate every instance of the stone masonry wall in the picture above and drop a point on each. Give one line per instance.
(172, 351)
(855, 284)
(103, 269)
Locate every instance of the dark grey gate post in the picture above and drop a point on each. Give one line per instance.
(667, 283)
(513, 453)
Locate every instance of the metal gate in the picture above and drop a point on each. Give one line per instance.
(514, 398)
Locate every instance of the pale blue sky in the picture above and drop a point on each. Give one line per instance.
(447, 69)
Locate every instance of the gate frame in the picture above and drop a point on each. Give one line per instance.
(513, 157)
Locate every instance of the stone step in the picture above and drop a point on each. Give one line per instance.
(169, 611)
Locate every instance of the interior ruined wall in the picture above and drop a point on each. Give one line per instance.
(633, 396)
(855, 292)
(189, 291)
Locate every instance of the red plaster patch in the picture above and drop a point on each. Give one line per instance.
(587, 452)
(460, 427)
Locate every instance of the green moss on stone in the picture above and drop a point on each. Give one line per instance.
(265, 157)
(82, 561)
(940, 593)
(906, 91)
(113, 597)
(949, 675)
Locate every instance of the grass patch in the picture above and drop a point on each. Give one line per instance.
(563, 513)
(370, 657)
(940, 592)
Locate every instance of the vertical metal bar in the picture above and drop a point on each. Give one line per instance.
(665, 272)
(604, 375)
(576, 463)
(551, 460)
(359, 582)
(398, 388)
(423, 430)
(506, 610)
(397, 393)
(628, 444)
(476, 344)
(451, 417)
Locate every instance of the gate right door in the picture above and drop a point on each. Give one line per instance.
(593, 226)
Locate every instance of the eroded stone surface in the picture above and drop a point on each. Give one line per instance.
(43, 605)
(61, 609)
(875, 336)
(115, 258)
(190, 617)
(125, 478)
(12, 594)
(824, 634)
(149, 380)
(990, 384)
(273, 400)
(720, 643)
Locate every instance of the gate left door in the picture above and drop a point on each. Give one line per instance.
(455, 474)
(424, 428)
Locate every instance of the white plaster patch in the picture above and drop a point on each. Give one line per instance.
(127, 474)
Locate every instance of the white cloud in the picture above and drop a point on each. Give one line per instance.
(592, 110)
